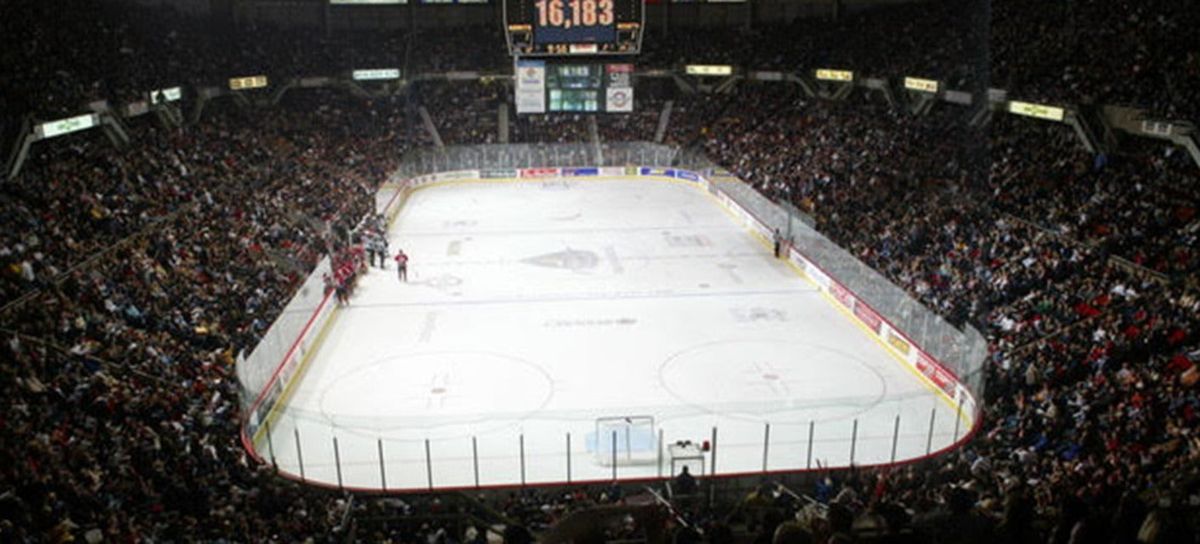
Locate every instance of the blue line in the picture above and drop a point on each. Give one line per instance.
(628, 258)
(449, 232)
(603, 297)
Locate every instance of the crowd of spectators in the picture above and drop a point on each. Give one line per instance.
(560, 128)
(121, 408)
(1091, 393)
(134, 276)
(1142, 206)
(640, 125)
(1090, 51)
(464, 113)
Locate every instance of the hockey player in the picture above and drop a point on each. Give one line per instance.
(341, 285)
(377, 245)
(372, 247)
(402, 265)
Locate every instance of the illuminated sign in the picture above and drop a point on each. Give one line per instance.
(67, 126)
(243, 83)
(1049, 113)
(314, 82)
(1166, 128)
(709, 70)
(161, 96)
(825, 74)
(921, 85)
(377, 74)
(531, 86)
(767, 76)
(134, 109)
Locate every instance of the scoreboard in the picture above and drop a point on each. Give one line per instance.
(567, 86)
(573, 27)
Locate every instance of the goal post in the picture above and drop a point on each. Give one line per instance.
(625, 440)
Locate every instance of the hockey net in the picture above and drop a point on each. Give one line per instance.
(625, 440)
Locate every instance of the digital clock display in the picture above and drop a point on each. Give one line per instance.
(574, 21)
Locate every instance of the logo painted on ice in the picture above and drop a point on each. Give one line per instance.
(567, 259)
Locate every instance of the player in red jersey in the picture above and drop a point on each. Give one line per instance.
(402, 265)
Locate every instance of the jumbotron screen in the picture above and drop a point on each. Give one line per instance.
(573, 27)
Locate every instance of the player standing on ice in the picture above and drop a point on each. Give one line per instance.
(377, 248)
(372, 247)
(402, 265)
(778, 243)
(383, 249)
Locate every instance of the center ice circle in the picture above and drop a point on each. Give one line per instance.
(436, 395)
(772, 381)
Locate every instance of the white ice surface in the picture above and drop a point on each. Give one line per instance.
(534, 308)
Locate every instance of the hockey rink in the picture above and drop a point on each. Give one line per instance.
(537, 312)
